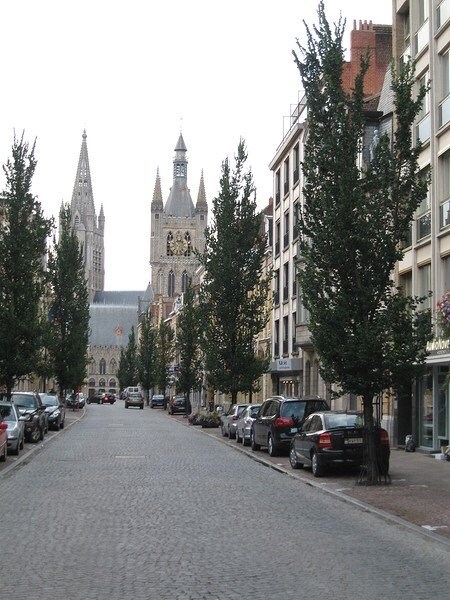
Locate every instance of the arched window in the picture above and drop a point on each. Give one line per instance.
(169, 246)
(102, 366)
(171, 284)
(184, 281)
(92, 367)
(187, 238)
(91, 383)
(112, 383)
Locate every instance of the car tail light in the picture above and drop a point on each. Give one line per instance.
(283, 422)
(3, 426)
(324, 440)
(234, 418)
(384, 438)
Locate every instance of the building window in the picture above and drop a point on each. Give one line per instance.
(277, 238)
(169, 246)
(293, 327)
(113, 366)
(444, 106)
(444, 178)
(296, 167)
(276, 287)
(184, 281)
(285, 282)
(424, 285)
(171, 284)
(277, 187)
(286, 230)
(286, 176)
(276, 345)
(446, 273)
(188, 244)
(423, 213)
(285, 336)
(443, 12)
(421, 36)
(405, 283)
(295, 221)
(102, 366)
(423, 128)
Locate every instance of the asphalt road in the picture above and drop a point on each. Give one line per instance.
(132, 504)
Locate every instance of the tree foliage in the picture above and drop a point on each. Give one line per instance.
(234, 293)
(164, 355)
(188, 345)
(367, 335)
(146, 354)
(23, 240)
(69, 308)
(127, 373)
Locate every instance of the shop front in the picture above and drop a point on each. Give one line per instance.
(286, 375)
(431, 402)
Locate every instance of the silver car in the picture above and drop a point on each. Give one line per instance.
(16, 427)
(229, 420)
(244, 424)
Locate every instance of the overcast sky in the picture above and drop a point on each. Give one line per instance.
(134, 74)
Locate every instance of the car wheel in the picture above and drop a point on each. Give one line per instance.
(253, 444)
(100, 401)
(41, 433)
(5, 454)
(35, 435)
(231, 434)
(316, 468)
(238, 437)
(15, 451)
(142, 407)
(224, 432)
(61, 425)
(126, 405)
(293, 459)
(22, 442)
(245, 441)
(88, 401)
(271, 448)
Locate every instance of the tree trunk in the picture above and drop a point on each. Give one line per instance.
(373, 470)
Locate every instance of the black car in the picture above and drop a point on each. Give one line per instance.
(55, 409)
(334, 439)
(279, 419)
(158, 400)
(32, 412)
(177, 405)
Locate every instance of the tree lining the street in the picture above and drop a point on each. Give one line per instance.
(69, 308)
(146, 354)
(23, 243)
(369, 336)
(233, 294)
(127, 372)
(165, 350)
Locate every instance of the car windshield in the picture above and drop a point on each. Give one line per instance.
(25, 401)
(49, 400)
(344, 420)
(7, 412)
(135, 395)
(253, 411)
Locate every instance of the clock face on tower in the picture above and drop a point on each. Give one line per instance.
(178, 245)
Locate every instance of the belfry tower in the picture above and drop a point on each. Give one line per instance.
(176, 230)
(90, 230)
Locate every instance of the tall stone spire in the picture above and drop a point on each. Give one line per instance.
(201, 205)
(83, 195)
(157, 201)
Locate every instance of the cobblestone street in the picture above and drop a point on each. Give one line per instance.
(131, 504)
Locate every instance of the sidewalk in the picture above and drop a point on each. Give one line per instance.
(419, 493)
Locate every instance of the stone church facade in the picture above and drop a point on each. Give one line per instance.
(177, 229)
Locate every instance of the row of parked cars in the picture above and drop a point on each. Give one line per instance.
(307, 430)
(27, 417)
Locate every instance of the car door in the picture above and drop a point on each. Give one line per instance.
(304, 440)
(267, 420)
(258, 422)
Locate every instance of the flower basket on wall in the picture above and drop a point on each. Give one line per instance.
(443, 313)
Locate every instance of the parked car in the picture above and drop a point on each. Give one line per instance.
(33, 412)
(244, 424)
(177, 405)
(101, 398)
(229, 419)
(333, 439)
(55, 410)
(134, 399)
(16, 427)
(3, 439)
(279, 419)
(75, 400)
(158, 400)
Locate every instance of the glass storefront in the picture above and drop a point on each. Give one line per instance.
(432, 408)
(425, 410)
(442, 405)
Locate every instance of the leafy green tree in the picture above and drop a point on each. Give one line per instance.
(127, 373)
(164, 355)
(188, 346)
(233, 296)
(69, 308)
(146, 355)
(368, 336)
(23, 241)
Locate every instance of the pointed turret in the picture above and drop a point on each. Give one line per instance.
(101, 219)
(201, 205)
(157, 201)
(179, 202)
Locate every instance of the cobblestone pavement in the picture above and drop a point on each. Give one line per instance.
(129, 504)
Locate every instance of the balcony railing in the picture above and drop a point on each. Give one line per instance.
(423, 129)
(421, 38)
(444, 111)
(443, 12)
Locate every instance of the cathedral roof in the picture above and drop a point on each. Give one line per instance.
(83, 195)
(118, 298)
(179, 202)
